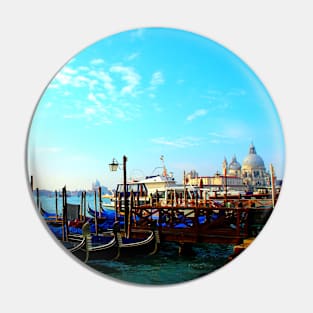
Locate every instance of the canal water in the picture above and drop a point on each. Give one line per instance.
(164, 268)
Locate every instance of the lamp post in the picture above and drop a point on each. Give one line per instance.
(113, 167)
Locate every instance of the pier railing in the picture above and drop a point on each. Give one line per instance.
(205, 220)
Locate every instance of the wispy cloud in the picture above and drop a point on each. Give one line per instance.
(104, 79)
(133, 56)
(69, 70)
(218, 135)
(90, 111)
(196, 114)
(236, 92)
(96, 61)
(106, 90)
(128, 75)
(157, 79)
(181, 142)
(232, 134)
(221, 99)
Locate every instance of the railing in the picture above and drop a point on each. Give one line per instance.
(199, 217)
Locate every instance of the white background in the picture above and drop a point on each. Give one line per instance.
(274, 38)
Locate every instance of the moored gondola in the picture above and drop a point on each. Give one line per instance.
(148, 244)
(114, 245)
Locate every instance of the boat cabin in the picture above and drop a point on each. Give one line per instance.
(138, 189)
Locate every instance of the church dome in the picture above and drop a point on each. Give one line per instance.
(252, 160)
(234, 164)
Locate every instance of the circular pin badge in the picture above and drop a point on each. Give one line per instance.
(155, 156)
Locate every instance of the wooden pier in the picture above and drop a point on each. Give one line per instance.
(206, 221)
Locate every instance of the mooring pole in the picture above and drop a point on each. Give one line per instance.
(100, 200)
(81, 206)
(56, 204)
(32, 183)
(65, 222)
(125, 196)
(96, 218)
(37, 197)
(273, 184)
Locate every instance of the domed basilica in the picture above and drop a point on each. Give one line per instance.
(248, 176)
(252, 171)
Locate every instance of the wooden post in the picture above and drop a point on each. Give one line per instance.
(56, 205)
(85, 205)
(273, 184)
(160, 210)
(100, 201)
(96, 218)
(65, 221)
(81, 206)
(157, 198)
(130, 213)
(37, 197)
(32, 183)
(119, 205)
(126, 208)
(116, 205)
(138, 198)
(185, 193)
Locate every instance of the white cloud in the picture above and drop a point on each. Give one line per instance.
(63, 79)
(90, 111)
(133, 56)
(181, 142)
(80, 81)
(128, 75)
(83, 68)
(231, 134)
(157, 79)
(197, 113)
(105, 78)
(68, 70)
(97, 61)
(217, 135)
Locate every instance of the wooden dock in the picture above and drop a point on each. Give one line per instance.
(228, 222)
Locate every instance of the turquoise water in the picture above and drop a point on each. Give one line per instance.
(164, 268)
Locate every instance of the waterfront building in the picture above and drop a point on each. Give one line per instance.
(251, 175)
(253, 169)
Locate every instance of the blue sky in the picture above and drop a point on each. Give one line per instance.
(146, 93)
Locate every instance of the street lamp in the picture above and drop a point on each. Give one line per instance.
(113, 167)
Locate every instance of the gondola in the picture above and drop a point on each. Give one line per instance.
(46, 214)
(114, 245)
(148, 245)
(100, 214)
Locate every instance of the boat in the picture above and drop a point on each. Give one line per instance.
(47, 214)
(93, 213)
(113, 245)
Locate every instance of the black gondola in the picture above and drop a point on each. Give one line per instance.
(112, 246)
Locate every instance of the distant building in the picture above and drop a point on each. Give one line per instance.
(253, 169)
(95, 185)
(251, 175)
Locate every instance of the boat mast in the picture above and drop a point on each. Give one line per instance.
(164, 169)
